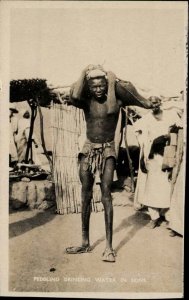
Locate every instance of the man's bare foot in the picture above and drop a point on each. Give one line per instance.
(109, 255)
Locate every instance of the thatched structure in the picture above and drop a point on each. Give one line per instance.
(68, 127)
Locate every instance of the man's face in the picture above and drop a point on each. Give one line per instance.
(156, 105)
(98, 87)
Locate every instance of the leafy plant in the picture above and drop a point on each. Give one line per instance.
(30, 89)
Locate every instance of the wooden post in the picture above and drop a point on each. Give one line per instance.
(128, 155)
(29, 143)
(42, 136)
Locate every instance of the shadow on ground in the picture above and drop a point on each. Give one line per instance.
(135, 222)
(22, 226)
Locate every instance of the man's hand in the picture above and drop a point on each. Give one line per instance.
(87, 69)
(62, 95)
(143, 166)
(111, 76)
(174, 128)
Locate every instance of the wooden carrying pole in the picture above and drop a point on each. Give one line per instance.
(128, 155)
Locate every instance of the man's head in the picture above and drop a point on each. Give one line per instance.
(98, 87)
(156, 104)
(97, 83)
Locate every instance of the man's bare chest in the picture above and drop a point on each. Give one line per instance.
(100, 110)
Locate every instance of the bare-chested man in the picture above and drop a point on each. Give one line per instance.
(101, 96)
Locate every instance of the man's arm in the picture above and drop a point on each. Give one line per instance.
(75, 97)
(65, 96)
(127, 93)
(78, 96)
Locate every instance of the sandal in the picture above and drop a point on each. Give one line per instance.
(172, 233)
(78, 250)
(108, 255)
(153, 224)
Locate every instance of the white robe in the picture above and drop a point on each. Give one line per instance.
(153, 189)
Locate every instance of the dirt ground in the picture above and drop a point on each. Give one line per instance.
(148, 260)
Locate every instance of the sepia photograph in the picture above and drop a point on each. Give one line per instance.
(93, 146)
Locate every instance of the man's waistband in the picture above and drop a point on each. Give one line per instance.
(99, 145)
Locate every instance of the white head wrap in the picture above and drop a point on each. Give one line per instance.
(95, 71)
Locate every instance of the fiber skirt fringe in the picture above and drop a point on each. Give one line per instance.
(96, 155)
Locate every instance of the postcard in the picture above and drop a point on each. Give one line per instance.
(93, 117)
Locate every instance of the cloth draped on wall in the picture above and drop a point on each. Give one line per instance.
(177, 204)
(22, 137)
(177, 197)
(12, 146)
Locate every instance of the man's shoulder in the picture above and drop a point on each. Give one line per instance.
(125, 83)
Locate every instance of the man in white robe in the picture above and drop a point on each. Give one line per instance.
(153, 185)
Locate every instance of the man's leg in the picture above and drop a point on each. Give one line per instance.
(155, 215)
(106, 183)
(87, 181)
(165, 212)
